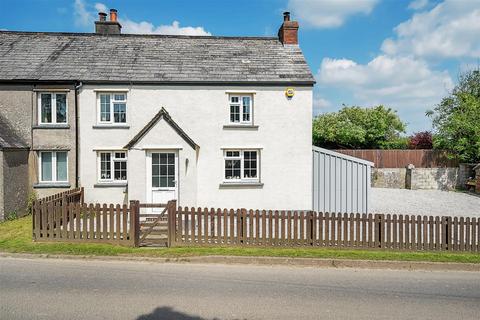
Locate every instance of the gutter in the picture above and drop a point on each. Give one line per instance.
(274, 83)
(78, 86)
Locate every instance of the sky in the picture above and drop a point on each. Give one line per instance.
(404, 54)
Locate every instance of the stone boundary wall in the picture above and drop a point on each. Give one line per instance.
(422, 178)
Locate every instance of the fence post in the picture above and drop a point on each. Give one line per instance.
(34, 220)
(310, 228)
(134, 222)
(82, 195)
(446, 233)
(379, 230)
(172, 223)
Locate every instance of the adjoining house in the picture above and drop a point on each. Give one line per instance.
(37, 127)
(209, 121)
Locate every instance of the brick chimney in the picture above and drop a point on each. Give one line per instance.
(102, 26)
(288, 32)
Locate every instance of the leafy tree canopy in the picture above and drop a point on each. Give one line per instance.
(456, 119)
(359, 128)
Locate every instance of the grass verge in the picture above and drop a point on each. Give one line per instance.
(15, 237)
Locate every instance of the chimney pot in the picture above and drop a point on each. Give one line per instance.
(113, 15)
(102, 16)
(108, 27)
(286, 16)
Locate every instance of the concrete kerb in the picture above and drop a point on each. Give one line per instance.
(269, 261)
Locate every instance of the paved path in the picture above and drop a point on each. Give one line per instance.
(424, 202)
(66, 289)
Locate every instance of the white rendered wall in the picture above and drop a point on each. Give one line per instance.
(283, 135)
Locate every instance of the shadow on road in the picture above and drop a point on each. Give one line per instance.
(168, 313)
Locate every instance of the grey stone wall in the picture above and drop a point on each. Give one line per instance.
(389, 178)
(422, 178)
(2, 206)
(434, 178)
(16, 182)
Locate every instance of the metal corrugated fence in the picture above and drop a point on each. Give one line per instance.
(341, 183)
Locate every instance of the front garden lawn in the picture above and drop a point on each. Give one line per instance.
(16, 237)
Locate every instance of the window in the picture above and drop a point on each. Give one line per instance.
(163, 170)
(113, 166)
(52, 108)
(241, 165)
(241, 111)
(53, 166)
(113, 108)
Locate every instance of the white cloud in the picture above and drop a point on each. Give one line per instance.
(100, 7)
(328, 13)
(403, 83)
(144, 27)
(83, 17)
(320, 104)
(418, 4)
(448, 30)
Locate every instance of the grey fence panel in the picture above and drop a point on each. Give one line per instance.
(341, 183)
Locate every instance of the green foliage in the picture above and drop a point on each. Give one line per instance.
(32, 197)
(396, 143)
(11, 216)
(456, 119)
(359, 128)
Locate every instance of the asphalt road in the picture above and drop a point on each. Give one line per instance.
(73, 289)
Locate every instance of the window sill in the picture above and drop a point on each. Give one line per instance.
(111, 126)
(44, 185)
(246, 185)
(51, 126)
(110, 185)
(240, 127)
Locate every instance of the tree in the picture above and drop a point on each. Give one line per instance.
(421, 140)
(456, 119)
(359, 128)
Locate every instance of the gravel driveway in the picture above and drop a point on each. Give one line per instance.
(424, 202)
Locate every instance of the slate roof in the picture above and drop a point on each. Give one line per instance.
(127, 58)
(9, 138)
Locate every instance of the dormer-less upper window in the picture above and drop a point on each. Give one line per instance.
(241, 109)
(52, 108)
(113, 108)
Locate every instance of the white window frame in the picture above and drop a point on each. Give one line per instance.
(54, 108)
(113, 159)
(240, 104)
(112, 102)
(242, 165)
(54, 167)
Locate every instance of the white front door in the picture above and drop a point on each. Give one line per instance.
(163, 176)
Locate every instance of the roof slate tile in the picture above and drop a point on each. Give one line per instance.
(149, 58)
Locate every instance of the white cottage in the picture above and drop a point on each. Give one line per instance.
(208, 121)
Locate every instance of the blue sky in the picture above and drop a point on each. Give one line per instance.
(405, 54)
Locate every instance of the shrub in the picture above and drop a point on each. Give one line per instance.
(421, 140)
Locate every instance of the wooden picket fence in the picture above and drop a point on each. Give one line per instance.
(191, 226)
(75, 195)
(78, 222)
(66, 218)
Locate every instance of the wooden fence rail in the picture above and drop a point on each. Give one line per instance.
(79, 222)
(72, 195)
(196, 226)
